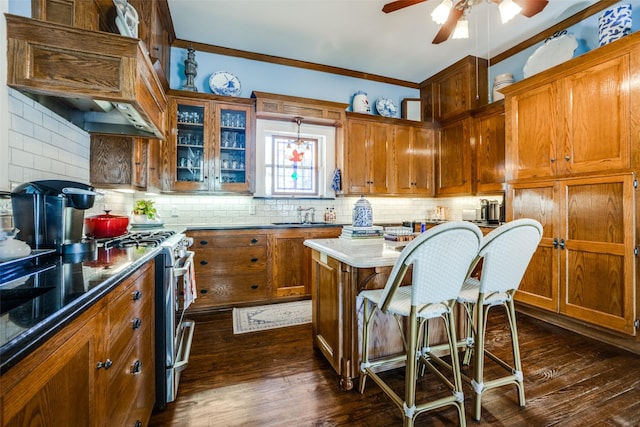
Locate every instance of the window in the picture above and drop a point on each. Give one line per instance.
(286, 168)
(291, 166)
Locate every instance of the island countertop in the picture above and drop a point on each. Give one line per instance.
(358, 253)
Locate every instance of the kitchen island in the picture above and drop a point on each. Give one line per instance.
(340, 269)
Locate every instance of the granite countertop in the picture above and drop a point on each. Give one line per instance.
(359, 254)
(70, 287)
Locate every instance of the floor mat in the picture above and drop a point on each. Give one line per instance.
(251, 319)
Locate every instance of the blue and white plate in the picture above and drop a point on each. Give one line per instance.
(224, 83)
(386, 107)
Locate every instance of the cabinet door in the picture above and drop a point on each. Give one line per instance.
(412, 160)
(367, 158)
(597, 259)
(191, 144)
(356, 167)
(532, 132)
(454, 158)
(57, 384)
(290, 274)
(234, 136)
(539, 286)
(489, 152)
(597, 111)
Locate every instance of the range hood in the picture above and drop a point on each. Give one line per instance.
(102, 82)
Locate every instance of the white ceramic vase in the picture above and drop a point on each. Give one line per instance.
(360, 103)
(500, 81)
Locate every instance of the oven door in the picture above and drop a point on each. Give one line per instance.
(180, 295)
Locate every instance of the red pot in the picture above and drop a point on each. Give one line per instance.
(106, 225)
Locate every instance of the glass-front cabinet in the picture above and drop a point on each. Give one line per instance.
(212, 145)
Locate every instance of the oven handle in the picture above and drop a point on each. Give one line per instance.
(184, 349)
(188, 260)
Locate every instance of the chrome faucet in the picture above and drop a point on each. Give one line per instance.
(309, 214)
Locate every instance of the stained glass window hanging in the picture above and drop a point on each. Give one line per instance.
(294, 165)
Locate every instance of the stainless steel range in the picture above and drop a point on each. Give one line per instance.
(175, 291)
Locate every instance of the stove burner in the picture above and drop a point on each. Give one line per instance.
(138, 239)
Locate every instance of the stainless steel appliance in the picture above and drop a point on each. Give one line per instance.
(50, 215)
(174, 332)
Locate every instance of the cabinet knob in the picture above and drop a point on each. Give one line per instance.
(136, 323)
(203, 291)
(204, 262)
(138, 423)
(136, 295)
(254, 259)
(106, 364)
(254, 241)
(254, 286)
(136, 368)
(553, 159)
(567, 158)
(562, 244)
(204, 242)
(555, 243)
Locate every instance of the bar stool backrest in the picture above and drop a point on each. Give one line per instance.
(441, 258)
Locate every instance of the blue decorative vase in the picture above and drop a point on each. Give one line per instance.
(614, 23)
(362, 213)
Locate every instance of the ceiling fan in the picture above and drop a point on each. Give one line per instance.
(453, 18)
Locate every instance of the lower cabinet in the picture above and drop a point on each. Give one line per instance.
(243, 266)
(585, 264)
(97, 371)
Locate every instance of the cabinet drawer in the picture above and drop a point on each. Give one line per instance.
(229, 241)
(221, 290)
(130, 312)
(231, 260)
(131, 381)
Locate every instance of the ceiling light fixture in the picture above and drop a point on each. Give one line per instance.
(462, 29)
(508, 9)
(441, 12)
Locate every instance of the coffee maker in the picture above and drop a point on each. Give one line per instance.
(50, 215)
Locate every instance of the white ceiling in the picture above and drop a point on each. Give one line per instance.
(356, 34)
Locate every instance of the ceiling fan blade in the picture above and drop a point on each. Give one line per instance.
(447, 28)
(399, 4)
(531, 7)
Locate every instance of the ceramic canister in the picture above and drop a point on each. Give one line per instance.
(500, 81)
(360, 103)
(614, 23)
(362, 213)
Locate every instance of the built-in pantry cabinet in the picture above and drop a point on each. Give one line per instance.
(572, 154)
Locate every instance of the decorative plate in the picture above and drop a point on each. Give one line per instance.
(554, 51)
(386, 107)
(224, 83)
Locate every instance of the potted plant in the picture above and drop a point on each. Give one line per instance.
(144, 212)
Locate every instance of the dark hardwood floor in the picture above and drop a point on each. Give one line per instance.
(276, 378)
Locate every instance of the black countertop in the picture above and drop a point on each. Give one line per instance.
(67, 285)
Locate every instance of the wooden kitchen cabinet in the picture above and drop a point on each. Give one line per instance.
(367, 156)
(413, 160)
(456, 90)
(211, 145)
(86, 374)
(571, 125)
(488, 156)
(584, 266)
(292, 259)
(454, 143)
(232, 267)
(118, 162)
(74, 13)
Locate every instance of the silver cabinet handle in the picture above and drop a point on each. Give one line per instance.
(106, 365)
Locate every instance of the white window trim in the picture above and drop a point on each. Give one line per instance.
(326, 153)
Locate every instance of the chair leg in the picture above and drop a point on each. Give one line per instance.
(411, 370)
(511, 315)
(455, 365)
(478, 361)
(470, 314)
(368, 312)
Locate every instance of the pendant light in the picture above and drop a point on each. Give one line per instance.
(462, 29)
(441, 12)
(508, 9)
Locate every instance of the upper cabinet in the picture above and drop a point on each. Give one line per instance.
(577, 119)
(454, 146)
(211, 145)
(455, 90)
(366, 156)
(488, 156)
(413, 160)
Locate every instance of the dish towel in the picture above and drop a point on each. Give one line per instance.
(336, 181)
(189, 284)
